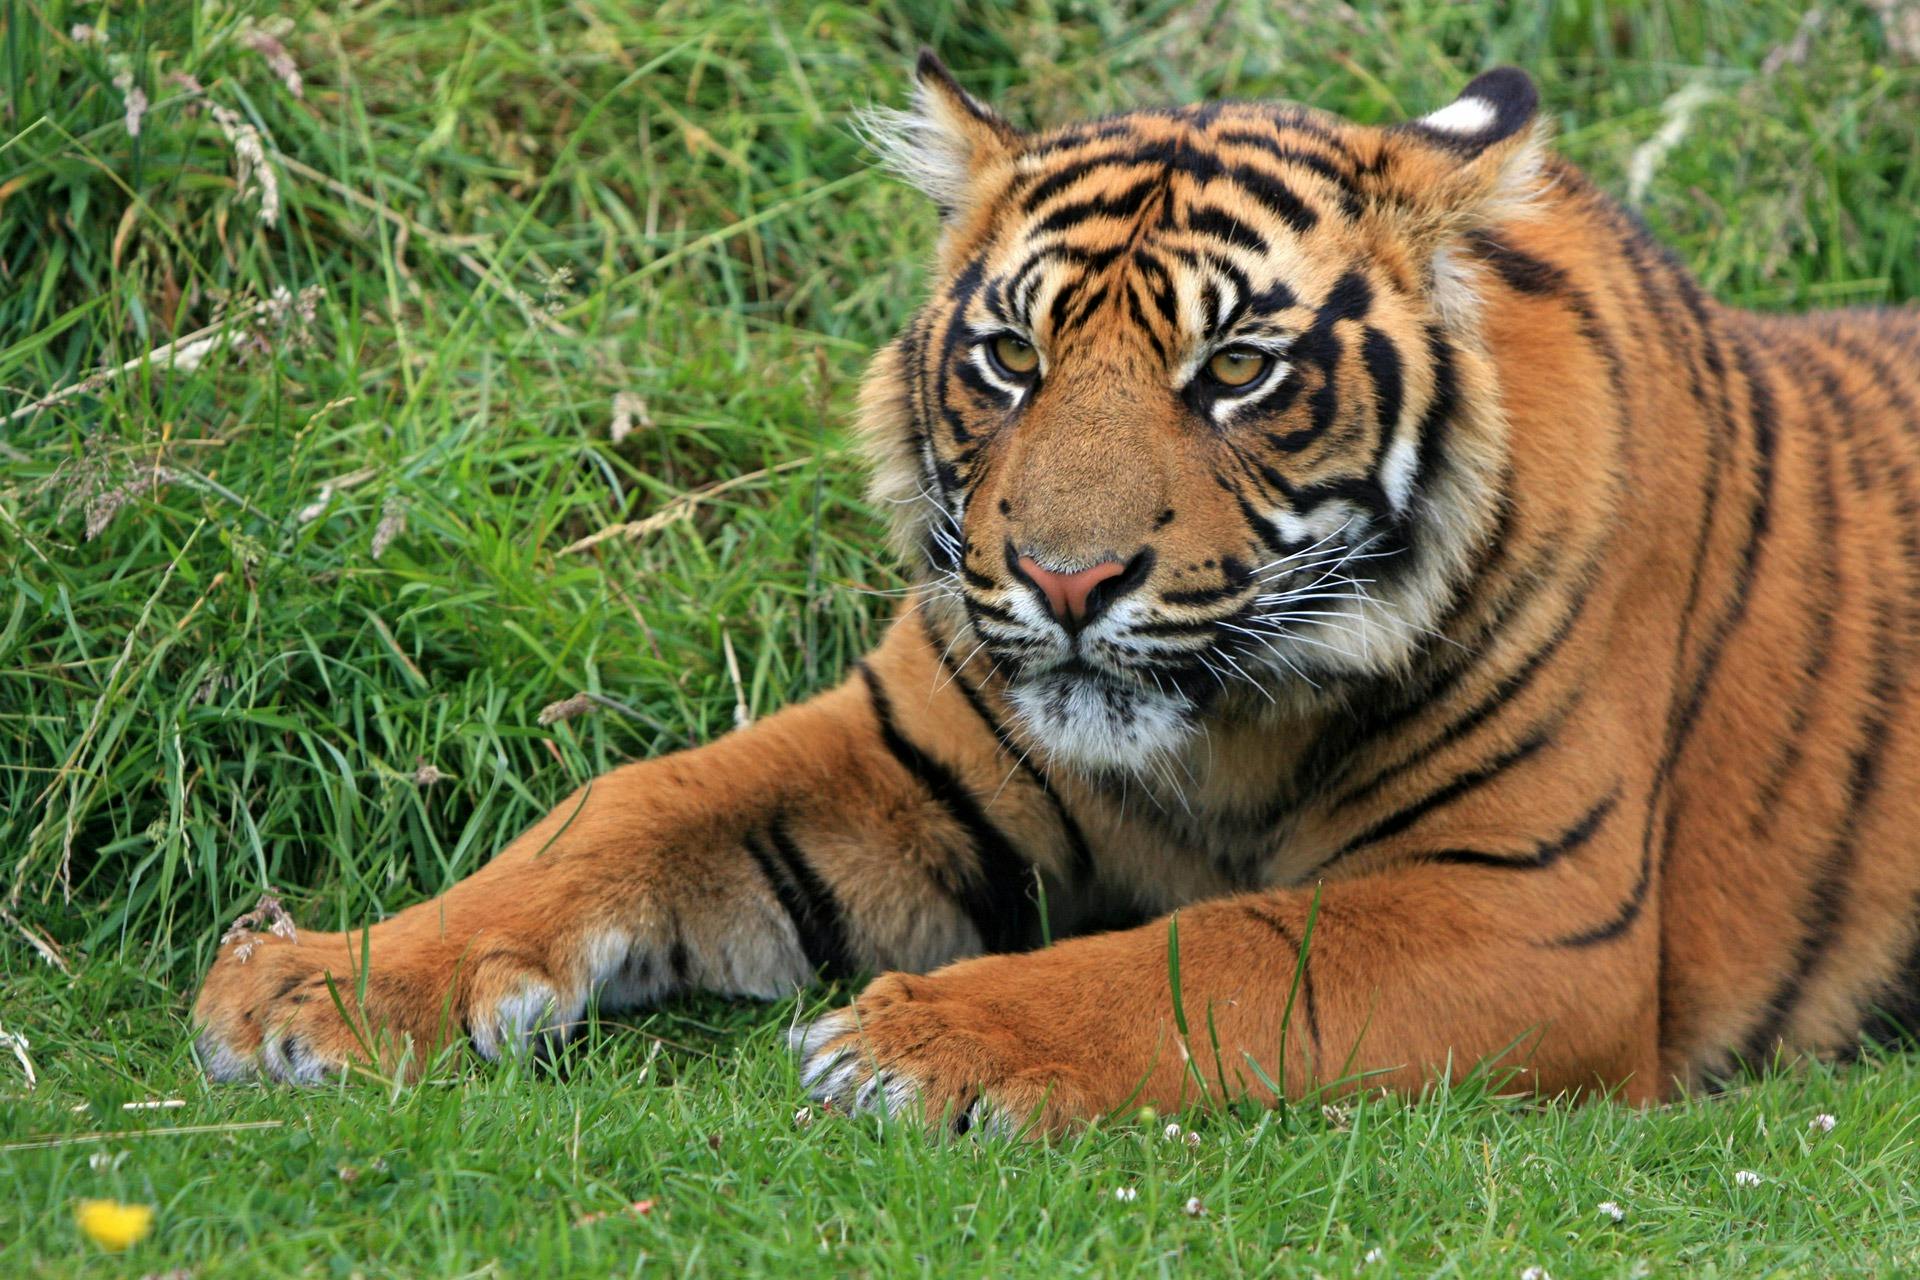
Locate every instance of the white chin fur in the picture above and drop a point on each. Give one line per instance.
(1099, 728)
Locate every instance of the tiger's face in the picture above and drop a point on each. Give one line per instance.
(1195, 420)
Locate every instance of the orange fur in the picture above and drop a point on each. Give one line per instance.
(1536, 632)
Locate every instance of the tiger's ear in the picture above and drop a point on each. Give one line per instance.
(1472, 162)
(946, 142)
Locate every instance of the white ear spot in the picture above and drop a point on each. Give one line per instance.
(1465, 117)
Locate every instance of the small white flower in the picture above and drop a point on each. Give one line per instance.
(1171, 1133)
(803, 1117)
(1375, 1254)
(1746, 1178)
(1194, 1207)
(1193, 1141)
(1611, 1209)
(1125, 1195)
(1823, 1123)
(1534, 1273)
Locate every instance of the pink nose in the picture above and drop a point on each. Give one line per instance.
(1067, 593)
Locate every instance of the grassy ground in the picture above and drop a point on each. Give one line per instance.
(285, 609)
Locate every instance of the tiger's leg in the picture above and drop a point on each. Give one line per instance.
(1410, 973)
(874, 827)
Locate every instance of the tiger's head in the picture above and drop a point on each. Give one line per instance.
(1198, 418)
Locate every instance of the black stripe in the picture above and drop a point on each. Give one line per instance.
(1822, 611)
(965, 286)
(1299, 122)
(1203, 595)
(1284, 154)
(1623, 916)
(1163, 287)
(1139, 315)
(1123, 205)
(1524, 273)
(1504, 691)
(1350, 299)
(995, 897)
(1311, 1006)
(1060, 179)
(1431, 458)
(972, 379)
(1092, 305)
(1062, 300)
(1080, 869)
(1821, 916)
(1517, 269)
(1895, 1018)
(817, 918)
(978, 609)
(1382, 360)
(1079, 136)
(1392, 704)
(1211, 221)
(1274, 196)
(1761, 415)
(1543, 855)
(1460, 784)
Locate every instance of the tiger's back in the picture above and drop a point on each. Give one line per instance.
(1793, 874)
(1771, 473)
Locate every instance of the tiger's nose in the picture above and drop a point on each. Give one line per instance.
(1077, 598)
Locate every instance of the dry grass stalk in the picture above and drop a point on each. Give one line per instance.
(135, 100)
(742, 717)
(268, 914)
(678, 508)
(187, 353)
(266, 43)
(18, 1043)
(318, 507)
(579, 704)
(629, 415)
(39, 941)
(393, 523)
(115, 1135)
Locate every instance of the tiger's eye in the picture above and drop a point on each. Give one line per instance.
(1237, 366)
(1014, 355)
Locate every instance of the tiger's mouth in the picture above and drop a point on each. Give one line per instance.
(1133, 684)
(1098, 719)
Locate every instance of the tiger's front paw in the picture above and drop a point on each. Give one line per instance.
(295, 1005)
(941, 1052)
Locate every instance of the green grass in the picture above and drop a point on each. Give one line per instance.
(502, 215)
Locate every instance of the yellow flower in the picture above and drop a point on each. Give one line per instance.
(113, 1225)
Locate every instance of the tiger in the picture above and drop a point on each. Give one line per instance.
(1373, 618)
